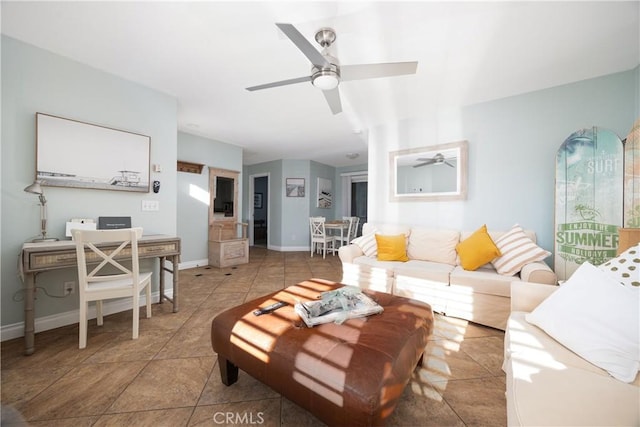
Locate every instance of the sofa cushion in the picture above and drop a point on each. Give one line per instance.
(596, 317)
(517, 250)
(477, 250)
(433, 271)
(532, 344)
(373, 262)
(392, 248)
(484, 280)
(433, 245)
(625, 267)
(547, 384)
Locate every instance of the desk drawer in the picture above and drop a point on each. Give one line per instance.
(46, 261)
(62, 258)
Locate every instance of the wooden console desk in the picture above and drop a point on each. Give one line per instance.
(39, 257)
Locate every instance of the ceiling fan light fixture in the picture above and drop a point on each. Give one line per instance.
(325, 80)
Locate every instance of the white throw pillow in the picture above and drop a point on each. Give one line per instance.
(597, 318)
(517, 250)
(625, 267)
(367, 243)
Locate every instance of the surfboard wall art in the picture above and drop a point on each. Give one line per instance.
(632, 177)
(589, 199)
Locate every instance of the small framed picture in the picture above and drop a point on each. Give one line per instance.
(295, 187)
(257, 200)
(325, 195)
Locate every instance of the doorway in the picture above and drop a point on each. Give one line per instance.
(359, 194)
(260, 210)
(354, 196)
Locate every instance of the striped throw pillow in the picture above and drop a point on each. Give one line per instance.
(517, 251)
(367, 244)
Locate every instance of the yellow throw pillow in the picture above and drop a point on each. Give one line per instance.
(392, 248)
(477, 250)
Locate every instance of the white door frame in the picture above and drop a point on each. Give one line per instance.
(251, 209)
(347, 179)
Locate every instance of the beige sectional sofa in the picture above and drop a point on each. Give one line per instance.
(550, 385)
(433, 274)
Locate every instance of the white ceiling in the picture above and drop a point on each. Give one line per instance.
(206, 53)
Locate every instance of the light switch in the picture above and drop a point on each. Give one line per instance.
(150, 205)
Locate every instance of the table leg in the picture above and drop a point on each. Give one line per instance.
(175, 261)
(29, 315)
(161, 279)
(228, 371)
(174, 270)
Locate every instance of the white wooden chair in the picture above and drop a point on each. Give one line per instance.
(319, 237)
(352, 231)
(110, 278)
(346, 238)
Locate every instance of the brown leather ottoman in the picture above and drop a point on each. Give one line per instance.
(346, 375)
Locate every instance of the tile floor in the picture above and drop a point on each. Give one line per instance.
(169, 376)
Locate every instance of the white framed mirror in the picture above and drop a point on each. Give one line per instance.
(433, 173)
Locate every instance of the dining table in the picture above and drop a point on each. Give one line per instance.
(341, 225)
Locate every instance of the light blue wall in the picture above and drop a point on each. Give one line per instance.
(512, 148)
(193, 192)
(289, 216)
(296, 211)
(34, 80)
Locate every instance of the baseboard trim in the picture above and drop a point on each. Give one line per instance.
(289, 248)
(46, 323)
(193, 264)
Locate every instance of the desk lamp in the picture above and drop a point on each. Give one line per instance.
(35, 188)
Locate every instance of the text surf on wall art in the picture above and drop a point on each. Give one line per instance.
(589, 199)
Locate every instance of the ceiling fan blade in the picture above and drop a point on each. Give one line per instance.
(280, 83)
(449, 164)
(373, 71)
(424, 164)
(303, 44)
(333, 99)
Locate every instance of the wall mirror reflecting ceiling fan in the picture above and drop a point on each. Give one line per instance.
(326, 71)
(438, 159)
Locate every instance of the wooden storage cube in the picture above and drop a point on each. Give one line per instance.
(228, 253)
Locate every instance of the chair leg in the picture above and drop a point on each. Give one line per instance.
(136, 315)
(83, 325)
(312, 248)
(99, 313)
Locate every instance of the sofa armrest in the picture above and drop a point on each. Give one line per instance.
(525, 296)
(538, 272)
(348, 253)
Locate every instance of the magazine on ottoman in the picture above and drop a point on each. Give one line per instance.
(337, 306)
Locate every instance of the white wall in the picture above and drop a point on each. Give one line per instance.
(512, 148)
(193, 192)
(34, 80)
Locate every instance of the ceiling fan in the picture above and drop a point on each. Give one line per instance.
(438, 159)
(327, 73)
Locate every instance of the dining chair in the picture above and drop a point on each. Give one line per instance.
(346, 239)
(319, 237)
(354, 228)
(116, 275)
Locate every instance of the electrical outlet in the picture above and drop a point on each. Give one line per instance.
(69, 288)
